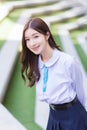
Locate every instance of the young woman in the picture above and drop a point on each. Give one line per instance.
(56, 75)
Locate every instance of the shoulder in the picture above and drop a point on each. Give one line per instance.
(67, 59)
(71, 63)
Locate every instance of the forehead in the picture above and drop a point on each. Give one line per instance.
(31, 32)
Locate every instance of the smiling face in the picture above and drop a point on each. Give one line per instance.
(35, 41)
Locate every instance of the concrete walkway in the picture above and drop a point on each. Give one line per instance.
(8, 121)
(41, 113)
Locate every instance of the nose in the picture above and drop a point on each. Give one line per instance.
(32, 43)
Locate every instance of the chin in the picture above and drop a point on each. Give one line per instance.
(36, 53)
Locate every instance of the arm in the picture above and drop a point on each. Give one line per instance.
(78, 81)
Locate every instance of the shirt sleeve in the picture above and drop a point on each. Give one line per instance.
(77, 79)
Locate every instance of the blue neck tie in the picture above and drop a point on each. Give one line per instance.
(45, 78)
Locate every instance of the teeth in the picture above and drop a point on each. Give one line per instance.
(35, 47)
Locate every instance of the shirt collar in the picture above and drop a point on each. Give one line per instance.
(52, 60)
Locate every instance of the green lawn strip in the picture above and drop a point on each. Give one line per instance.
(20, 100)
(7, 24)
(54, 31)
(79, 49)
(1, 43)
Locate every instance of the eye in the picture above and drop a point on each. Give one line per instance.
(36, 36)
(27, 40)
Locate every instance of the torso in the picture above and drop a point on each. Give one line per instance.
(60, 86)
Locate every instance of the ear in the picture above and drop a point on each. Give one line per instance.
(47, 35)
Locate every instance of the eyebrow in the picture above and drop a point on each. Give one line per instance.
(32, 34)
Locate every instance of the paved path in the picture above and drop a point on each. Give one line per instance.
(8, 121)
(41, 114)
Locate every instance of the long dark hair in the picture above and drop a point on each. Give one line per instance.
(29, 60)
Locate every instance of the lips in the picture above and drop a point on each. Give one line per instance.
(35, 48)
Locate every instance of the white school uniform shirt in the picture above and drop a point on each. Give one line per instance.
(64, 79)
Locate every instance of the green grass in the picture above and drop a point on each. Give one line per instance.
(20, 100)
(80, 51)
(2, 42)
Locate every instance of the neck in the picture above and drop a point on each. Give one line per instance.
(47, 54)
